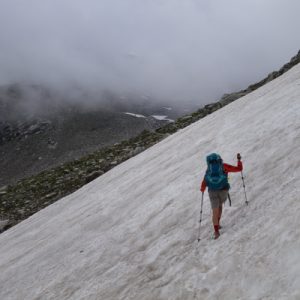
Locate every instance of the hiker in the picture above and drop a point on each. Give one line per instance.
(216, 179)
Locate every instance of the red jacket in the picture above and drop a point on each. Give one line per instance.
(227, 169)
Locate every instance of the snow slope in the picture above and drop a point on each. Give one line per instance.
(132, 233)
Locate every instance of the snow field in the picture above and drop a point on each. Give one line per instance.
(132, 233)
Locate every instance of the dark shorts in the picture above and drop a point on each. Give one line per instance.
(217, 198)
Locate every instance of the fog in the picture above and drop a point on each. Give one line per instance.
(174, 50)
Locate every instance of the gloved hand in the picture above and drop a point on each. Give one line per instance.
(238, 156)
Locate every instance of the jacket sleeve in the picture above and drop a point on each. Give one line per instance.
(203, 186)
(229, 168)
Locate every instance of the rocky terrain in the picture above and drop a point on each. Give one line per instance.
(31, 147)
(39, 134)
(27, 196)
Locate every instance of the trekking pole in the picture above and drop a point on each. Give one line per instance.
(200, 217)
(244, 188)
(239, 158)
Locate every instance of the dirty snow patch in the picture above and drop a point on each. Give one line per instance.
(162, 118)
(134, 115)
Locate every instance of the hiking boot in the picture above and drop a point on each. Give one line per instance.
(216, 234)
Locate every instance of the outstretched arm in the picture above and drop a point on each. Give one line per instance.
(229, 168)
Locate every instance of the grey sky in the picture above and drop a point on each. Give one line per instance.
(169, 49)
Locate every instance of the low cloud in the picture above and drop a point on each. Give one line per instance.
(170, 50)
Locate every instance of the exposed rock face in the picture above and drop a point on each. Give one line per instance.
(21, 130)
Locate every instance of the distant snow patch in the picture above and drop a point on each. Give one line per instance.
(162, 118)
(134, 115)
